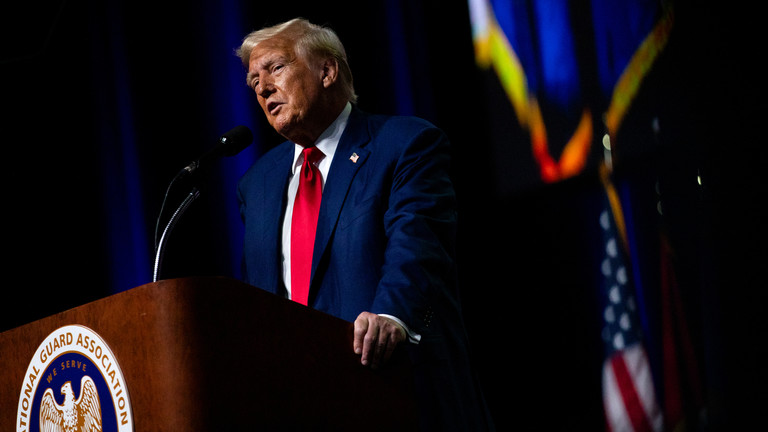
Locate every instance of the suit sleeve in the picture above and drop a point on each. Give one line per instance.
(418, 275)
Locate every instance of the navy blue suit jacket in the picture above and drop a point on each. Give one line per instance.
(384, 244)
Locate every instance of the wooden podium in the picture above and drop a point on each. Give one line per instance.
(217, 354)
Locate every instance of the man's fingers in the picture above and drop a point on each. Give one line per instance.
(391, 343)
(366, 336)
(379, 348)
(361, 328)
(376, 338)
(370, 343)
(385, 345)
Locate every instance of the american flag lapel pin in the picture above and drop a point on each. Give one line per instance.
(354, 157)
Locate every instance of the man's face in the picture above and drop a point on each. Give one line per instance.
(288, 88)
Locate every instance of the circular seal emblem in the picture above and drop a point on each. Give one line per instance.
(73, 383)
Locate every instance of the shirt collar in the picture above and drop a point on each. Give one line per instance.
(328, 140)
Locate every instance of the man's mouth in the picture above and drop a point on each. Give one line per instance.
(273, 107)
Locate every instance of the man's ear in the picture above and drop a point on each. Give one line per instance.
(330, 71)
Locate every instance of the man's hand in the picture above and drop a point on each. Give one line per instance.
(376, 338)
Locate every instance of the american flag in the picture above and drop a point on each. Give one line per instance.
(629, 397)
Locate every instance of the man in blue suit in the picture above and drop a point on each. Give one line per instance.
(374, 243)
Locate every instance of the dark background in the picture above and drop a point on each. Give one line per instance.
(104, 102)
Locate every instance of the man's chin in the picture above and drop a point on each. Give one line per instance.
(290, 129)
(288, 132)
(281, 126)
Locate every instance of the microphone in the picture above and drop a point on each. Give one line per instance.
(230, 144)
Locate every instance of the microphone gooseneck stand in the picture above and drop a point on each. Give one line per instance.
(160, 248)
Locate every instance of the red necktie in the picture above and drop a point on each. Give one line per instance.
(304, 224)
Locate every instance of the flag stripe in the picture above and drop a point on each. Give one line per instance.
(615, 412)
(631, 399)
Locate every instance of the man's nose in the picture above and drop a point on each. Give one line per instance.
(265, 88)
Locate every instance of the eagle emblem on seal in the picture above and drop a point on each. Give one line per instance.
(74, 415)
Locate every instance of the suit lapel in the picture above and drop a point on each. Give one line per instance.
(350, 155)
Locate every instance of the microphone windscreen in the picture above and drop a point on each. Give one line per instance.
(237, 139)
